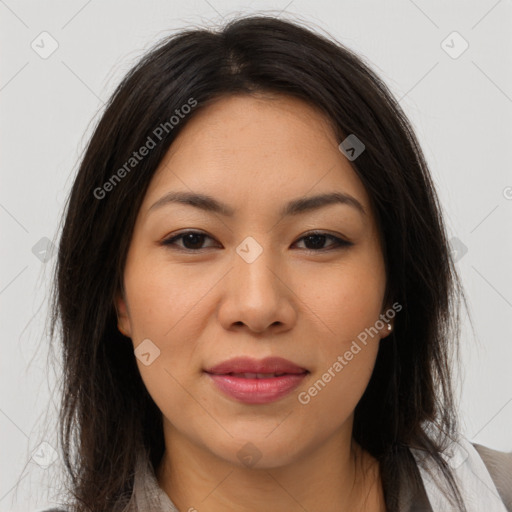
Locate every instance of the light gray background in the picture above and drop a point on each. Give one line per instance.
(461, 109)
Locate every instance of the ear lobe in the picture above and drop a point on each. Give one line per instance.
(389, 323)
(123, 316)
(388, 326)
(386, 330)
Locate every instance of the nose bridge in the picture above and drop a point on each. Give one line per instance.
(253, 264)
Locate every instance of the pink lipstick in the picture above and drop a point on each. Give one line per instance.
(255, 381)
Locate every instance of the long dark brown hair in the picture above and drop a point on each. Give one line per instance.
(107, 414)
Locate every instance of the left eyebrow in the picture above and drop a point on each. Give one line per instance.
(304, 204)
(294, 207)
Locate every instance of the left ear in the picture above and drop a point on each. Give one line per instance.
(387, 329)
(123, 317)
(389, 323)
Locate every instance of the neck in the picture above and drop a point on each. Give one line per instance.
(337, 476)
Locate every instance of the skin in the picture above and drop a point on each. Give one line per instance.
(200, 308)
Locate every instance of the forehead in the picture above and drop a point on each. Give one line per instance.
(256, 125)
(256, 150)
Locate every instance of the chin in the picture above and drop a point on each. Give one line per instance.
(258, 451)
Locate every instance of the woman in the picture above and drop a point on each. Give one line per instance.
(257, 301)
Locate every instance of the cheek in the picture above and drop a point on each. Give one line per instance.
(345, 298)
(345, 355)
(347, 303)
(166, 299)
(166, 309)
(331, 398)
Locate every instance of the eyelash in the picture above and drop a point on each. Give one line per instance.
(339, 243)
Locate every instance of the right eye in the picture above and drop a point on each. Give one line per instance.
(191, 241)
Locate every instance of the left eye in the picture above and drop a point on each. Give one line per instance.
(193, 240)
(318, 239)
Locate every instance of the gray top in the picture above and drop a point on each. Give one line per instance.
(148, 496)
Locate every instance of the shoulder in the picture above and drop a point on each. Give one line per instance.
(499, 465)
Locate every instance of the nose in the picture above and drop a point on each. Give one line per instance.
(258, 294)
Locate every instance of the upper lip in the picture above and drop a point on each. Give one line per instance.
(250, 365)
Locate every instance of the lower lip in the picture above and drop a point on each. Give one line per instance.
(257, 391)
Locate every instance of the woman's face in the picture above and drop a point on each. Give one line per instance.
(255, 283)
